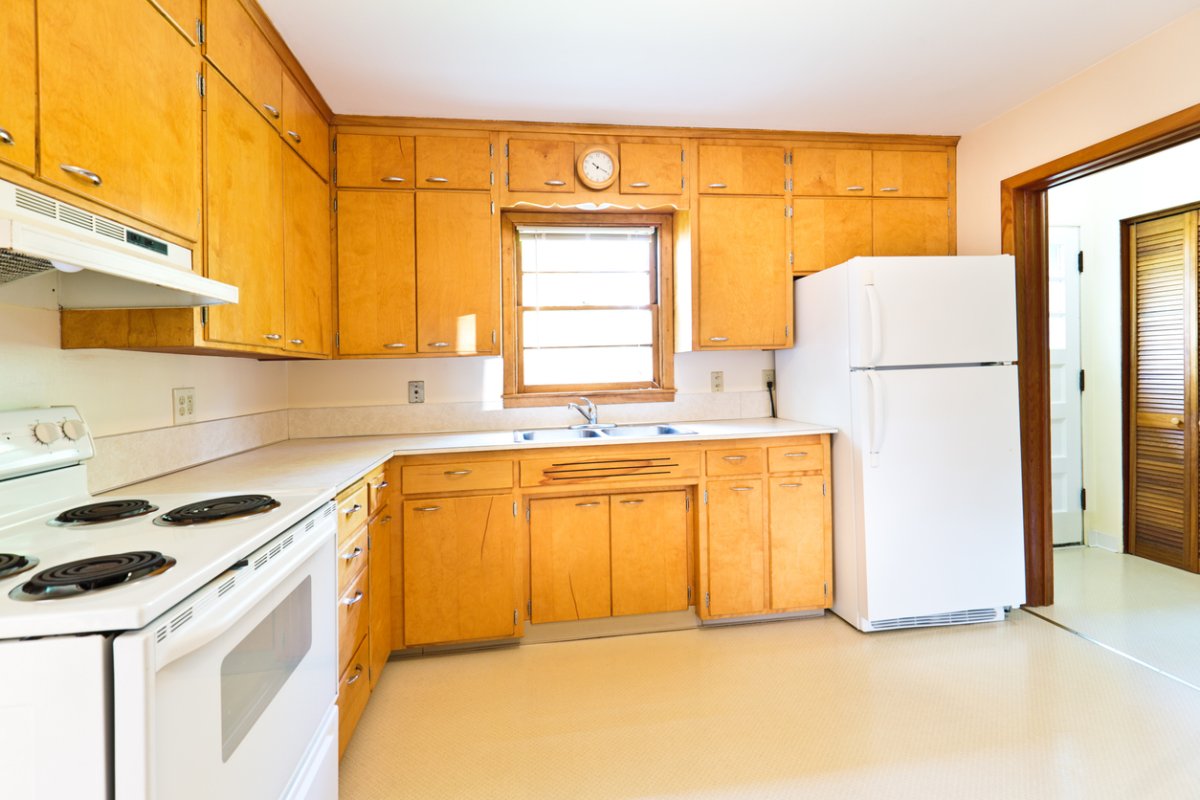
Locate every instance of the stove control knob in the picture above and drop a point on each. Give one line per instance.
(74, 429)
(47, 432)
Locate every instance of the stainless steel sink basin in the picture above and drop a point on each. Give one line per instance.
(554, 435)
(569, 435)
(646, 430)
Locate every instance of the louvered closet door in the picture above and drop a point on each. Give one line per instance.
(1163, 396)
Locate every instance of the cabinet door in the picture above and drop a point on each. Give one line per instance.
(911, 173)
(379, 578)
(541, 165)
(18, 84)
(651, 168)
(185, 14)
(745, 281)
(458, 282)
(730, 169)
(569, 572)
(375, 162)
(649, 552)
(304, 128)
(112, 129)
(827, 171)
(736, 563)
(235, 45)
(454, 162)
(377, 312)
(910, 227)
(799, 535)
(829, 230)
(307, 259)
(459, 569)
(245, 218)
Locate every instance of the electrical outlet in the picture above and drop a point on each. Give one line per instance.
(768, 377)
(416, 391)
(718, 381)
(183, 404)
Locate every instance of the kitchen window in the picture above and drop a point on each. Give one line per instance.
(584, 308)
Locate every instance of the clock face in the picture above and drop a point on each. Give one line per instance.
(598, 166)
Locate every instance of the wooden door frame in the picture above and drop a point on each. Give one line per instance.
(1023, 231)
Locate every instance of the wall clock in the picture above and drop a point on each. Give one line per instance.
(597, 167)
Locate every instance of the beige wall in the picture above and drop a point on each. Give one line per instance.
(1144, 82)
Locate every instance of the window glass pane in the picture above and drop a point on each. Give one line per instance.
(586, 289)
(585, 250)
(583, 328)
(588, 365)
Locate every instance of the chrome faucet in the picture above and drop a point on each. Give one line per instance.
(588, 409)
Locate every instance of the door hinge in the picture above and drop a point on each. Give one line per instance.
(707, 603)
(689, 595)
(1082, 380)
(335, 205)
(822, 490)
(199, 32)
(514, 509)
(1079, 261)
(825, 589)
(491, 178)
(493, 335)
(706, 497)
(335, 174)
(787, 331)
(791, 258)
(514, 618)
(787, 158)
(527, 512)
(529, 608)
(682, 155)
(491, 149)
(203, 316)
(1083, 499)
(493, 208)
(200, 86)
(687, 503)
(683, 183)
(787, 212)
(787, 185)
(337, 341)
(333, 145)
(506, 151)
(506, 179)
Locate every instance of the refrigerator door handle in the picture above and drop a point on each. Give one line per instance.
(875, 418)
(875, 322)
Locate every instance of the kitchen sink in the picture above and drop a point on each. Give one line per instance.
(554, 435)
(646, 430)
(569, 435)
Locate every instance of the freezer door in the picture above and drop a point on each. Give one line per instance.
(940, 490)
(944, 310)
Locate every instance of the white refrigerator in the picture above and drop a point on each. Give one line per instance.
(914, 360)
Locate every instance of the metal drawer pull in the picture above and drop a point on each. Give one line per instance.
(854, 188)
(718, 338)
(358, 596)
(741, 488)
(639, 185)
(457, 472)
(437, 180)
(395, 345)
(354, 509)
(294, 135)
(717, 186)
(274, 337)
(556, 183)
(353, 554)
(439, 344)
(272, 110)
(83, 173)
(296, 341)
(357, 674)
(386, 520)
(392, 179)
(586, 505)
(734, 458)
(382, 485)
(890, 189)
(796, 455)
(427, 508)
(632, 502)
(789, 486)
(6, 137)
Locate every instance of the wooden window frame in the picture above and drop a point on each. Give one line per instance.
(661, 388)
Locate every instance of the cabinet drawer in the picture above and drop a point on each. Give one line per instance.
(352, 511)
(375, 162)
(353, 691)
(541, 165)
(352, 619)
(743, 461)
(378, 491)
(352, 558)
(453, 162)
(597, 469)
(796, 458)
(463, 476)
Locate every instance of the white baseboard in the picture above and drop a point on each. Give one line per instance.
(1105, 541)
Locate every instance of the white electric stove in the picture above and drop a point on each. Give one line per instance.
(166, 646)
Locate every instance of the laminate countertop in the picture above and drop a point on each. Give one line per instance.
(335, 463)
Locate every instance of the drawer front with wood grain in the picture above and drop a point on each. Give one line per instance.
(378, 490)
(353, 691)
(352, 558)
(566, 470)
(352, 512)
(796, 458)
(742, 461)
(352, 619)
(462, 476)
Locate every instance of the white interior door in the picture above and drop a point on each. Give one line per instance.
(1066, 441)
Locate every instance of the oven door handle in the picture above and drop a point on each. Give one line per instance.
(189, 639)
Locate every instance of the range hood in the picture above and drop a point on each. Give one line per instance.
(100, 263)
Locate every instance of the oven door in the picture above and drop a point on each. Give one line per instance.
(224, 695)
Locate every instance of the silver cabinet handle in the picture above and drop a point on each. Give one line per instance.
(6, 137)
(796, 455)
(437, 180)
(395, 345)
(717, 186)
(439, 344)
(358, 668)
(890, 189)
(386, 520)
(555, 183)
(358, 596)
(295, 341)
(294, 135)
(392, 179)
(457, 472)
(854, 188)
(632, 502)
(718, 338)
(81, 172)
(353, 554)
(274, 337)
(734, 458)
(789, 486)
(586, 505)
(427, 508)
(354, 509)
(639, 185)
(382, 485)
(272, 110)
(741, 488)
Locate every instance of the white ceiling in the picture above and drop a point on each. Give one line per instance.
(876, 66)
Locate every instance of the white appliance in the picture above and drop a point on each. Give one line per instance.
(100, 263)
(914, 361)
(160, 647)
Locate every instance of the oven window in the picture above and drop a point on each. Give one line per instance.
(254, 671)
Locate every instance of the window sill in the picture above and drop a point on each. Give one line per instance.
(610, 397)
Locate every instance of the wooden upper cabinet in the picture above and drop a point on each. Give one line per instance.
(911, 173)
(244, 195)
(905, 227)
(235, 45)
(111, 129)
(745, 297)
(651, 168)
(370, 161)
(569, 563)
(742, 169)
(307, 267)
(185, 14)
(18, 84)
(829, 230)
(376, 273)
(458, 282)
(304, 128)
(454, 162)
(649, 552)
(541, 165)
(828, 171)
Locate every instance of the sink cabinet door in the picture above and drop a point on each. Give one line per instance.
(649, 552)
(569, 560)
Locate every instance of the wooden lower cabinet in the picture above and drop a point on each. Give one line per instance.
(799, 535)
(354, 689)
(649, 552)
(736, 553)
(459, 569)
(569, 560)
(380, 535)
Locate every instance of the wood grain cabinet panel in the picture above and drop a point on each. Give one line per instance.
(457, 476)
(649, 552)
(796, 458)
(235, 45)
(737, 461)
(798, 526)
(736, 551)
(376, 273)
(352, 558)
(18, 84)
(370, 161)
(307, 264)
(829, 230)
(541, 165)
(380, 540)
(303, 127)
(650, 168)
(829, 171)
(184, 13)
(354, 689)
(903, 227)
(742, 169)
(569, 566)
(111, 129)
(352, 618)
(911, 173)
(453, 162)
(244, 197)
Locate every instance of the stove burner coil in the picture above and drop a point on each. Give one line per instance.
(12, 564)
(107, 511)
(219, 508)
(92, 574)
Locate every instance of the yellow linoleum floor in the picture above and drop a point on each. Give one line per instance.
(805, 708)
